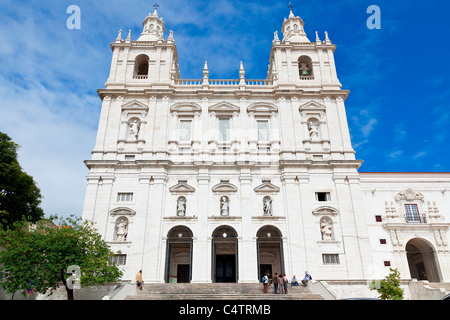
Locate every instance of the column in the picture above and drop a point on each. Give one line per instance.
(201, 251)
(102, 126)
(153, 256)
(248, 260)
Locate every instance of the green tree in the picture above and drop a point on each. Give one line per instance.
(39, 256)
(20, 198)
(389, 288)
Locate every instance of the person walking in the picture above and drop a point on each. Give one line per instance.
(286, 281)
(139, 281)
(275, 283)
(281, 284)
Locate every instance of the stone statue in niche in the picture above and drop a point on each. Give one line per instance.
(224, 206)
(134, 129)
(327, 230)
(267, 207)
(313, 127)
(181, 207)
(122, 229)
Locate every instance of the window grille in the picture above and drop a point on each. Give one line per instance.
(119, 259)
(224, 129)
(185, 130)
(263, 130)
(125, 197)
(330, 258)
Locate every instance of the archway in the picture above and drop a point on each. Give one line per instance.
(269, 243)
(422, 260)
(179, 255)
(224, 255)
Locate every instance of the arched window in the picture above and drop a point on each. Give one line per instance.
(141, 67)
(305, 68)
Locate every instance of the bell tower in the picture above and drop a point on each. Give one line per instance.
(146, 62)
(295, 61)
(153, 28)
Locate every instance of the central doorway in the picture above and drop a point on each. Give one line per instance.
(224, 255)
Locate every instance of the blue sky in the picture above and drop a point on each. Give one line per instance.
(398, 108)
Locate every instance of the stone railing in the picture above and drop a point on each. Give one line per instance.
(222, 82)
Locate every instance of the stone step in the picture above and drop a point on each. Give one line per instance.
(218, 291)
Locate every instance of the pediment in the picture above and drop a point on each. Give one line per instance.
(122, 211)
(185, 108)
(325, 210)
(224, 187)
(262, 108)
(312, 106)
(135, 105)
(224, 107)
(267, 187)
(181, 187)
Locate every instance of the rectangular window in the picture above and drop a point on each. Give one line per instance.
(378, 219)
(330, 258)
(185, 130)
(124, 197)
(323, 196)
(263, 130)
(387, 263)
(119, 259)
(412, 213)
(224, 129)
(383, 241)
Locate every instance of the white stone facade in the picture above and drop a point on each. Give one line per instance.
(220, 180)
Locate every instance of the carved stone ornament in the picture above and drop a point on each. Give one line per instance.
(409, 195)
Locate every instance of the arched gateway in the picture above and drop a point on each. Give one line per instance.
(269, 251)
(224, 254)
(422, 260)
(179, 255)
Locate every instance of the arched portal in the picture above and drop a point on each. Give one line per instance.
(422, 260)
(269, 242)
(224, 254)
(179, 255)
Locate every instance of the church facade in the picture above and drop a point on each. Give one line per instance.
(224, 180)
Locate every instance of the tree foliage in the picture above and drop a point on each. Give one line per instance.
(389, 288)
(20, 198)
(39, 256)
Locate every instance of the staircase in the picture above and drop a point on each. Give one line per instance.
(218, 291)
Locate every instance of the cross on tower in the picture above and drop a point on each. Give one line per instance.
(290, 6)
(156, 6)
